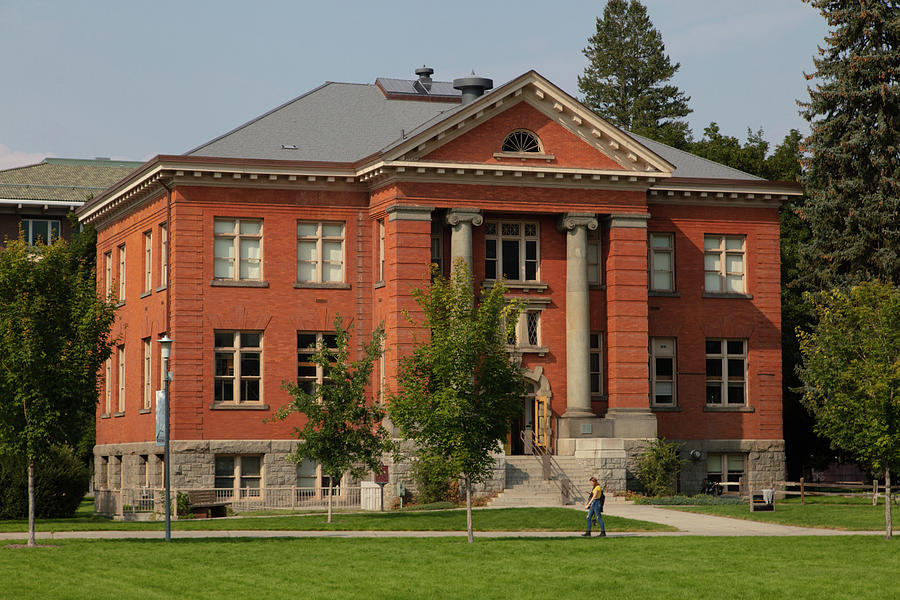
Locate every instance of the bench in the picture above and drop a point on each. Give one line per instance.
(762, 501)
(204, 504)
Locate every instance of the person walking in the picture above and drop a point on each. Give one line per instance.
(595, 508)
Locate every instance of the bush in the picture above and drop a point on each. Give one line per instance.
(182, 505)
(60, 482)
(435, 482)
(698, 500)
(658, 468)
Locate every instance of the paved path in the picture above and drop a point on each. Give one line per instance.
(686, 522)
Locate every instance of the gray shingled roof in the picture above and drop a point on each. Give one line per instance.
(337, 122)
(62, 179)
(346, 122)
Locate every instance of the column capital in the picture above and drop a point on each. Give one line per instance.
(455, 216)
(403, 212)
(569, 221)
(633, 220)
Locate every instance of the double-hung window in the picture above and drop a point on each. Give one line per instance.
(595, 273)
(724, 264)
(238, 249)
(596, 364)
(381, 249)
(108, 274)
(511, 251)
(726, 372)
(320, 252)
(726, 469)
(148, 374)
(163, 255)
(238, 476)
(148, 261)
(238, 366)
(662, 371)
(312, 483)
(121, 357)
(107, 387)
(661, 262)
(44, 231)
(310, 374)
(437, 246)
(122, 273)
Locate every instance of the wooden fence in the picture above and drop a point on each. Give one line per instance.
(847, 489)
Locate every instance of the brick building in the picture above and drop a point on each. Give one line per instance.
(650, 278)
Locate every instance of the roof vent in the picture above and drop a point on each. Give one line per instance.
(472, 87)
(423, 83)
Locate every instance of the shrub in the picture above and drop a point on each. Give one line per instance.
(435, 482)
(60, 482)
(182, 505)
(698, 500)
(658, 468)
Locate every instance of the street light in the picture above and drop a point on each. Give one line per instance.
(165, 345)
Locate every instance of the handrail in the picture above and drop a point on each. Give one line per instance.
(551, 469)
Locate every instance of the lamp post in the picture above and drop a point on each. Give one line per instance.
(165, 344)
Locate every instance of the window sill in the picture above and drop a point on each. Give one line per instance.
(246, 406)
(717, 408)
(118, 414)
(600, 398)
(660, 294)
(539, 350)
(525, 155)
(120, 303)
(144, 411)
(517, 285)
(161, 288)
(236, 283)
(105, 416)
(664, 408)
(145, 294)
(379, 284)
(727, 295)
(321, 286)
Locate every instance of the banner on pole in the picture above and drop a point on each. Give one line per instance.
(162, 407)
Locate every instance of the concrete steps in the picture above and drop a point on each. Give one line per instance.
(525, 484)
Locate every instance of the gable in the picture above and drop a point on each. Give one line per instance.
(560, 147)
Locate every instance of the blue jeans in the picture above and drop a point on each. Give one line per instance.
(595, 510)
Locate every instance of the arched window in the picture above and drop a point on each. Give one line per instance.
(521, 140)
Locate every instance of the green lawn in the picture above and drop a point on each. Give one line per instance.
(827, 514)
(503, 519)
(692, 568)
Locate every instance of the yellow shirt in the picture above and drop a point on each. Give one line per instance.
(595, 493)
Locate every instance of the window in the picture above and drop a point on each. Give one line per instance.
(107, 387)
(148, 261)
(121, 357)
(726, 469)
(437, 246)
(596, 363)
(521, 140)
(726, 369)
(238, 366)
(107, 261)
(148, 375)
(162, 364)
(313, 483)
(309, 374)
(238, 249)
(44, 231)
(662, 371)
(320, 252)
(122, 273)
(511, 251)
(595, 274)
(163, 255)
(143, 479)
(381, 250)
(238, 476)
(723, 261)
(661, 262)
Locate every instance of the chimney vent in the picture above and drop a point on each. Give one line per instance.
(424, 73)
(472, 87)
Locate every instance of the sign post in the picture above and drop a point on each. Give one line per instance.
(382, 479)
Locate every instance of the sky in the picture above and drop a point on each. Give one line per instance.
(130, 80)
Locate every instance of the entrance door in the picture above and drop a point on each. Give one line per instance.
(523, 425)
(542, 423)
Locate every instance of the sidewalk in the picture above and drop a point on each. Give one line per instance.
(688, 524)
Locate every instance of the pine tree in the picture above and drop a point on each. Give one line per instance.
(625, 80)
(853, 151)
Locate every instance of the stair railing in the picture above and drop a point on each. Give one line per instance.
(550, 469)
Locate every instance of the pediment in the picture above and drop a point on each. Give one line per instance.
(571, 135)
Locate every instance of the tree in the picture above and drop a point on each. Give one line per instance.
(626, 78)
(658, 468)
(54, 336)
(852, 166)
(851, 375)
(343, 430)
(459, 390)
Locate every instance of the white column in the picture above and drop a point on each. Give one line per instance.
(462, 220)
(578, 368)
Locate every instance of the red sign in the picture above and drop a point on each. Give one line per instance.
(382, 477)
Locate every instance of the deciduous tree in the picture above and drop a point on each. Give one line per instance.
(458, 390)
(626, 80)
(851, 375)
(54, 336)
(343, 431)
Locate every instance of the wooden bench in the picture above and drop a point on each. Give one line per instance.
(204, 504)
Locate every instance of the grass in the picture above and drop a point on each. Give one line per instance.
(503, 519)
(677, 568)
(822, 513)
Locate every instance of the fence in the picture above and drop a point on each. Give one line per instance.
(129, 502)
(847, 489)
